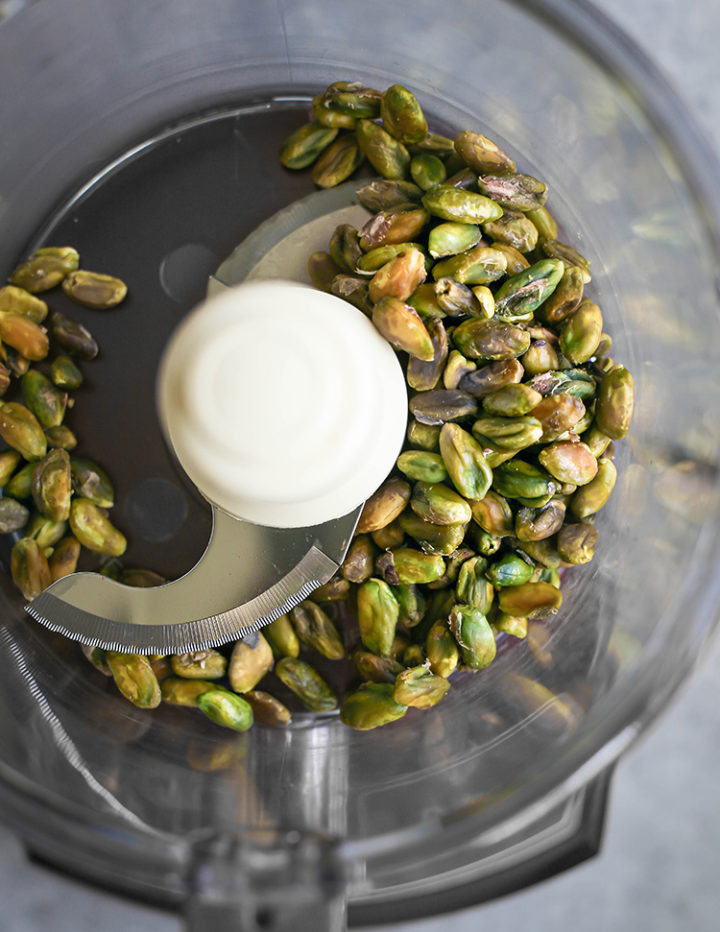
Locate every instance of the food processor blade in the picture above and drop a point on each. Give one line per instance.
(248, 576)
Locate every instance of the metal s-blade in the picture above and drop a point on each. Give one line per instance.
(247, 577)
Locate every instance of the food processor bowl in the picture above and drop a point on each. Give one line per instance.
(147, 136)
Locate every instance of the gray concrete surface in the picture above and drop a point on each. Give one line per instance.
(658, 868)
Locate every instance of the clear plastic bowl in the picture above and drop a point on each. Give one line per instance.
(413, 818)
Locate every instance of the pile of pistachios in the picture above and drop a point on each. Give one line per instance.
(514, 399)
(54, 501)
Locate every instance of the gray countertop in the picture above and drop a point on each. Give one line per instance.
(657, 870)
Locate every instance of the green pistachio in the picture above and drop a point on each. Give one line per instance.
(310, 688)
(384, 505)
(135, 678)
(45, 269)
(387, 155)
(226, 709)
(378, 613)
(422, 465)
(482, 154)
(490, 339)
(452, 238)
(316, 629)
(251, 659)
(615, 398)
(402, 116)
(413, 566)
(199, 665)
(420, 688)
(530, 600)
(465, 462)
(520, 295)
(94, 530)
(473, 588)
(509, 570)
(591, 497)
(461, 206)
(282, 638)
(305, 144)
(474, 636)
(93, 289)
(370, 706)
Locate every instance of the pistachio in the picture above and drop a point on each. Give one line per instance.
(412, 566)
(179, 691)
(539, 523)
(558, 414)
(45, 531)
(523, 481)
(20, 485)
(522, 192)
(455, 299)
(20, 429)
(387, 155)
(435, 144)
(591, 497)
(565, 299)
(514, 229)
(412, 605)
(337, 163)
(507, 433)
(465, 462)
(580, 335)
(569, 462)
(543, 552)
(462, 206)
(94, 289)
(544, 223)
(282, 638)
(576, 543)
(199, 665)
(9, 460)
(474, 636)
(422, 465)
(392, 535)
(315, 628)
(476, 266)
(354, 290)
(24, 335)
(384, 505)
(13, 515)
(14, 300)
(442, 405)
(401, 326)
(514, 400)
(481, 154)
(310, 688)
(97, 657)
(452, 238)
(520, 295)
(425, 301)
(334, 590)
(15, 363)
(575, 382)
(45, 269)
(423, 436)
(92, 482)
(44, 399)
(511, 624)
(442, 650)
(330, 118)
(463, 178)
(251, 659)
(29, 567)
(94, 530)
(305, 144)
(72, 336)
(516, 261)
(60, 437)
(420, 688)
(376, 258)
(491, 377)
(395, 226)
(399, 277)
(597, 441)
(614, 408)
(322, 270)
(266, 709)
(490, 339)
(344, 247)
(567, 255)
(473, 588)
(375, 669)
(402, 115)
(52, 485)
(135, 678)
(378, 613)
(493, 514)
(226, 709)
(438, 504)
(425, 375)
(352, 98)
(385, 194)
(530, 600)
(358, 563)
(370, 706)
(441, 539)
(509, 570)
(456, 368)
